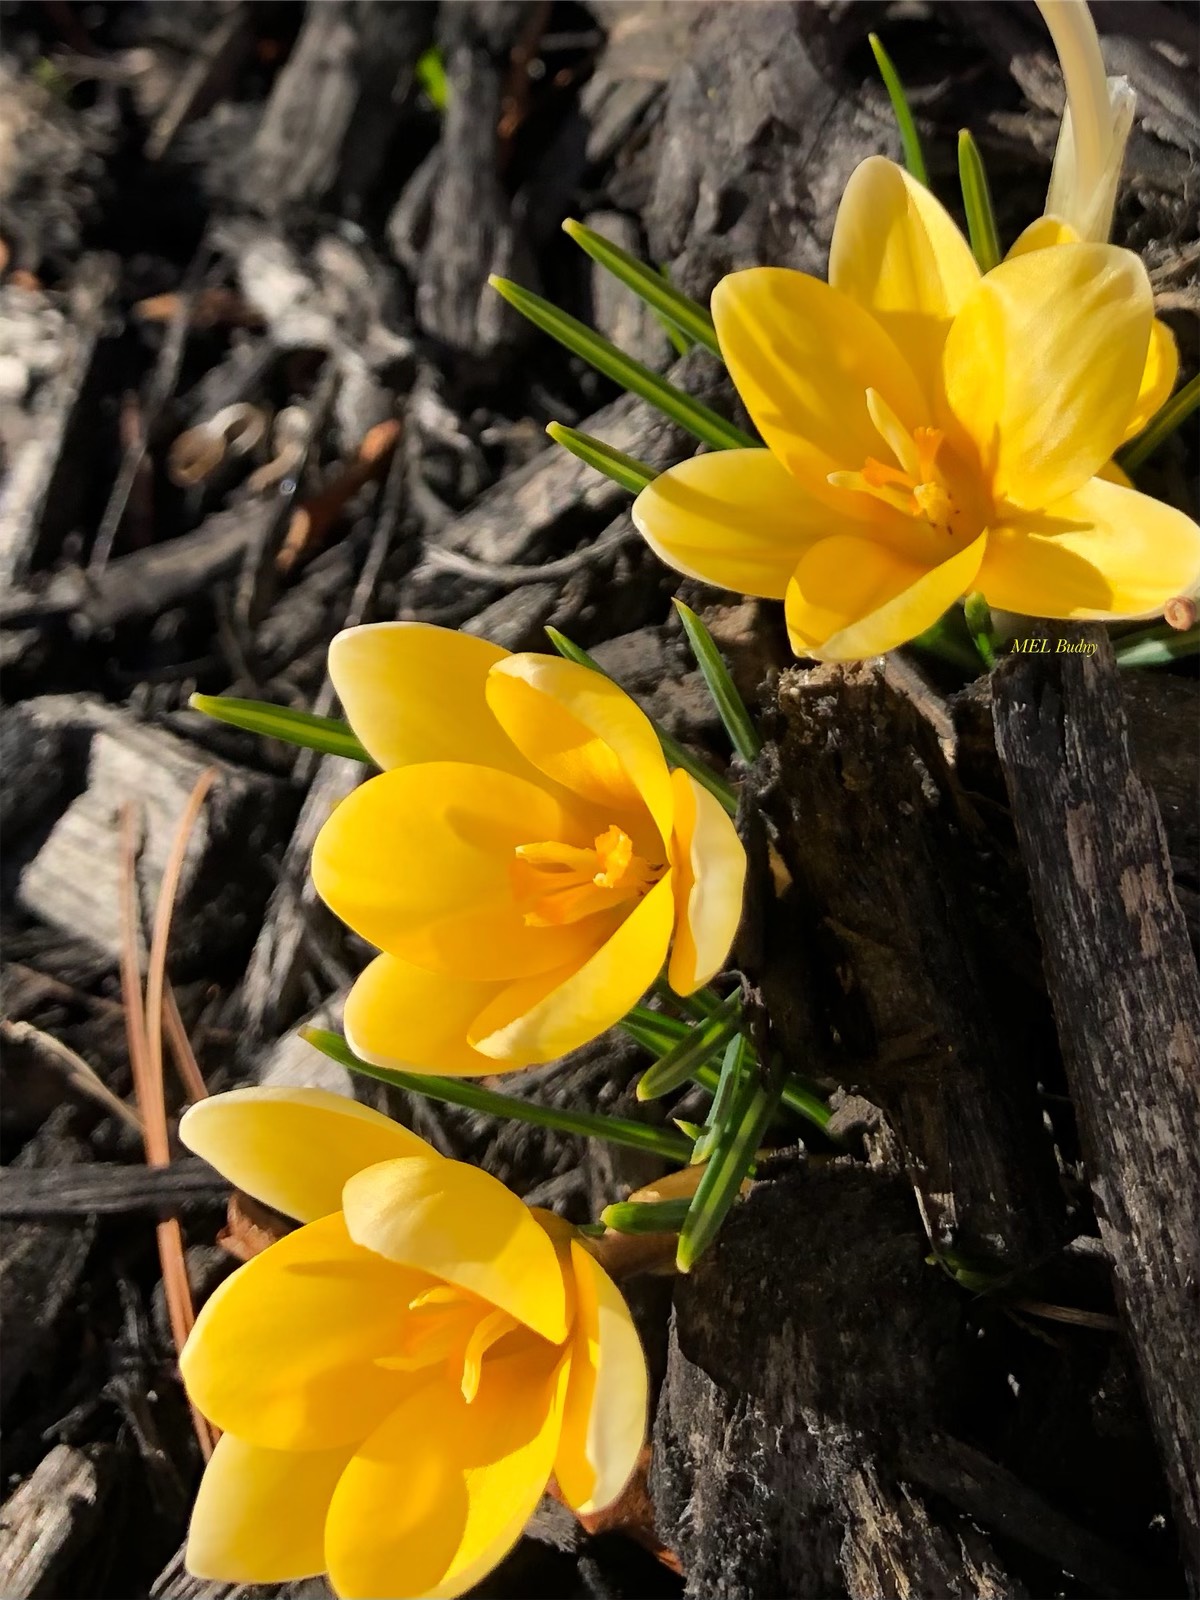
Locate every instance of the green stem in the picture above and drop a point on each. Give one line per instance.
(1155, 647)
(940, 641)
(462, 1092)
(1165, 421)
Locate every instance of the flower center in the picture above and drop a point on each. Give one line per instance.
(452, 1326)
(919, 485)
(560, 883)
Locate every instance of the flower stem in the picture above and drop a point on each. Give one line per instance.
(462, 1092)
(1155, 647)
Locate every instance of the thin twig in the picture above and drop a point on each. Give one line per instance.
(53, 1052)
(186, 1065)
(513, 576)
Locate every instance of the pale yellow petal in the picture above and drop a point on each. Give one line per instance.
(1103, 553)
(851, 598)
(735, 518)
(419, 862)
(604, 1423)
(897, 251)
(283, 1352)
(413, 692)
(440, 1493)
(1043, 364)
(463, 1226)
(542, 1018)
(803, 356)
(1158, 377)
(259, 1515)
(584, 732)
(293, 1148)
(1042, 234)
(401, 1016)
(709, 877)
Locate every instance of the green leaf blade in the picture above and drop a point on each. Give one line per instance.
(628, 471)
(910, 139)
(691, 414)
(727, 700)
(653, 287)
(696, 1049)
(1169, 417)
(977, 201)
(645, 1216)
(327, 734)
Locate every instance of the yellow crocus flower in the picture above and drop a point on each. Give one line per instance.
(398, 1379)
(930, 432)
(525, 860)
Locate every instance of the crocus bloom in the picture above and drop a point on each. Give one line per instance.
(524, 861)
(398, 1379)
(930, 432)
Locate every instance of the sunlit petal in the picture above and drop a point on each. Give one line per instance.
(293, 1148)
(735, 518)
(401, 1016)
(897, 252)
(1043, 365)
(580, 729)
(542, 1018)
(419, 862)
(1042, 234)
(283, 1352)
(803, 356)
(851, 598)
(413, 692)
(709, 877)
(260, 1514)
(1103, 552)
(461, 1225)
(428, 1523)
(604, 1423)
(1158, 377)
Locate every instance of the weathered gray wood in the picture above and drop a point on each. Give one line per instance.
(110, 1188)
(47, 1519)
(888, 945)
(1126, 996)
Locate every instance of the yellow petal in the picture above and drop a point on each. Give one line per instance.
(1103, 552)
(1043, 363)
(1042, 234)
(709, 877)
(851, 598)
(542, 1018)
(736, 518)
(439, 1494)
(583, 731)
(604, 1422)
(259, 1515)
(1158, 377)
(419, 862)
(463, 1226)
(413, 692)
(803, 356)
(897, 251)
(265, 1141)
(401, 1016)
(283, 1352)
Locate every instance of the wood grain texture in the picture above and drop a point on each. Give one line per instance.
(1126, 996)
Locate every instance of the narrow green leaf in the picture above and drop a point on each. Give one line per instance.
(653, 1030)
(463, 1092)
(910, 141)
(651, 286)
(1157, 646)
(977, 200)
(949, 641)
(728, 1166)
(327, 734)
(430, 73)
(699, 419)
(675, 753)
(628, 471)
(645, 1216)
(979, 623)
(727, 700)
(1166, 420)
(702, 1043)
(739, 1060)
